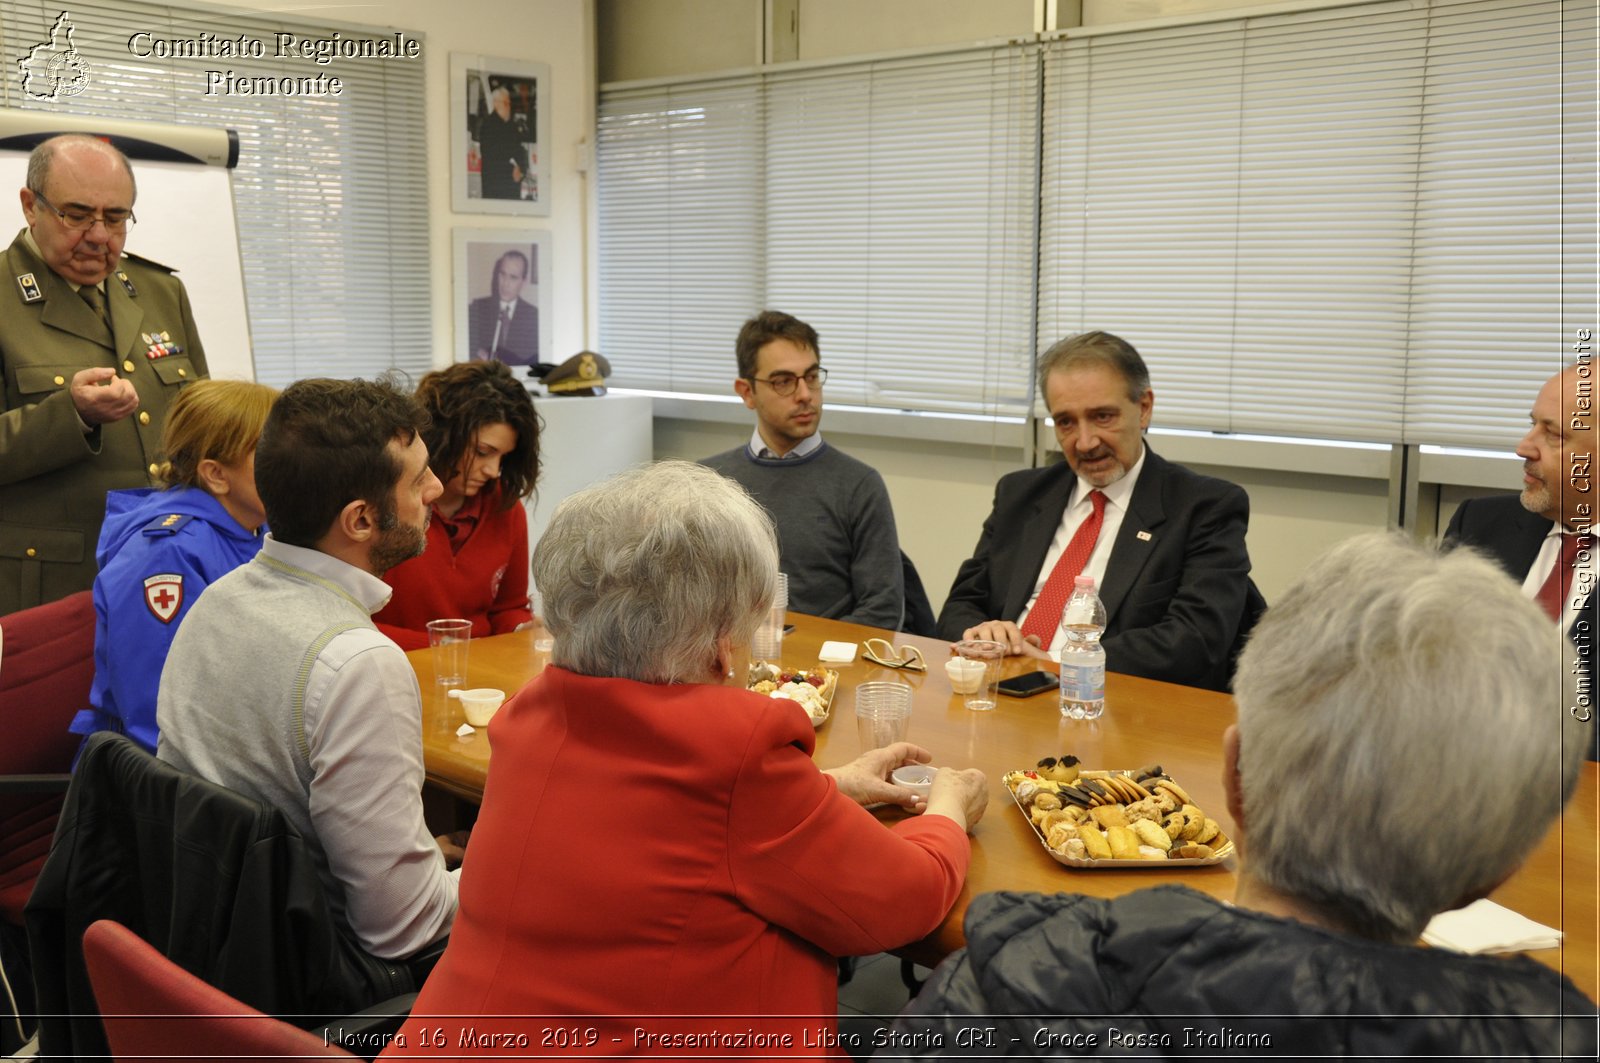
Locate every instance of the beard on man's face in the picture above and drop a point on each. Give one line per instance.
(397, 542)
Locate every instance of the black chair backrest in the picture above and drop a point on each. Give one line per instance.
(220, 884)
(918, 618)
(1254, 606)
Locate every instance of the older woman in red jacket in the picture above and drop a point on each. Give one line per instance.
(483, 444)
(656, 848)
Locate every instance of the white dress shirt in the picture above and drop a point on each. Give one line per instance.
(1078, 511)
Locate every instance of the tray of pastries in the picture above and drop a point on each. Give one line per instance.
(1115, 818)
(812, 689)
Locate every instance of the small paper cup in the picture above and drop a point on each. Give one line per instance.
(480, 704)
(966, 675)
(915, 777)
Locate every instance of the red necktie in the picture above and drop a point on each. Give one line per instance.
(1553, 595)
(1045, 616)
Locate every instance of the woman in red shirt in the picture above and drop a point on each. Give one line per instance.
(658, 862)
(483, 444)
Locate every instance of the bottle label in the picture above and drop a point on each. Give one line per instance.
(1083, 682)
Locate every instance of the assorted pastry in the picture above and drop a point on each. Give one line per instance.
(812, 690)
(1113, 815)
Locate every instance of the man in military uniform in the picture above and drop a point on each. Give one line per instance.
(93, 349)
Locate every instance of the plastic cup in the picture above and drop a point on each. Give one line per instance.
(480, 704)
(767, 643)
(449, 639)
(980, 696)
(917, 778)
(883, 714)
(966, 675)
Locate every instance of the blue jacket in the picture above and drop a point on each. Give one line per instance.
(158, 550)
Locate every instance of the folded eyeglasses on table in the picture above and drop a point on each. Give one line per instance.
(879, 651)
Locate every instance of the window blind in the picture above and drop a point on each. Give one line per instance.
(1371, 222)
(1368, 223)
(680, 236)
(889, 204)
(899, 223)
(330, 191)
(1504, 271)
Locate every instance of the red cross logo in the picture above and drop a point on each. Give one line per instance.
(164, 595)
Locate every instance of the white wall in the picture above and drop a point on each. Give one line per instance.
(558, 32)
(662, 38)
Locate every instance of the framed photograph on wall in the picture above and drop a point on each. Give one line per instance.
(502, 295)
(499, 135)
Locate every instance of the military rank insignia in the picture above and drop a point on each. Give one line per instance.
(127, 285)
(167, 525)
(164, 595)
(30, 288)
(161, 345)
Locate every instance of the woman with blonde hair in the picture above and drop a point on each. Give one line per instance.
(160, 547)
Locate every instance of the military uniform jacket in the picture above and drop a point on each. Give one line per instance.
(54, 477)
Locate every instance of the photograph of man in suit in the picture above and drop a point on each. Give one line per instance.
(1165, 545)
(503, 325)
(1545, 535)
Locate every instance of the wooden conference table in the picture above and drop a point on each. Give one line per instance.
(1145, 722)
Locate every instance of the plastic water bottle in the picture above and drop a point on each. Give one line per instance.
(1083, 662)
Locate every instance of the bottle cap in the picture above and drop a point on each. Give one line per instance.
(1083, 582)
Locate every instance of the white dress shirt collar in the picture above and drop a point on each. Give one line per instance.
(362, 587)
(759, 448)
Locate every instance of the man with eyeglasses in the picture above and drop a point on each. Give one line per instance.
(94, 347)
(836, 537)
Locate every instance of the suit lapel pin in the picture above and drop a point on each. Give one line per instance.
(1143, 536)
(30, 288)
(127, 285)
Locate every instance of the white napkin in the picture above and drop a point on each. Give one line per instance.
(1484, 926)
(837, 652)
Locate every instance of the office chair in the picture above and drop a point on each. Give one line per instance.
(153, 1009)
(218, 883)
(45, 673)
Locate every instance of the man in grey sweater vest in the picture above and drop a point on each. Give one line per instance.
(836, 536)
(279, 686)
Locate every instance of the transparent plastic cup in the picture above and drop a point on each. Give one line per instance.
(449, 639)
(980, 695)
(883, 714)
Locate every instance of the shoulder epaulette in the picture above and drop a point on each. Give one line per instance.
(128, 256)
(168, 524)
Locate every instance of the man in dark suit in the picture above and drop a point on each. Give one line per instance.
(504, 325)
(1544, 537)
(1165, 545)
(501, 148)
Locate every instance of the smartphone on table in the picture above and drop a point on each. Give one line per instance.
(1029, 684)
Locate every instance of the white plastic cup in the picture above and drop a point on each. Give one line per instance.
(479, 704)
(966, 675)
(981, 696)
(883, 714)
(918, 778)
(449, 639)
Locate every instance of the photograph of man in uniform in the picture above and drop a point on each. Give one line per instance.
(503, 325)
